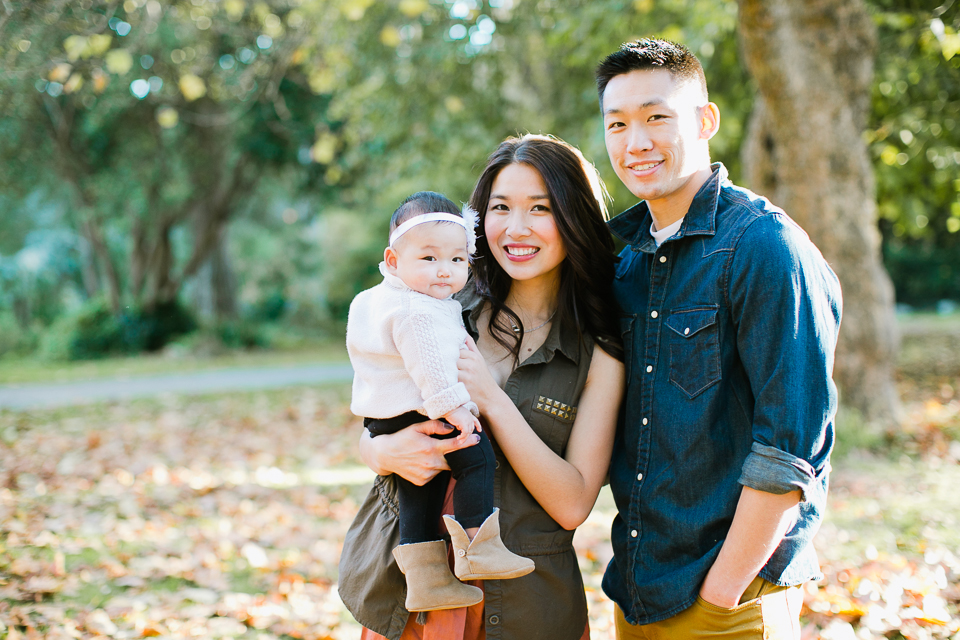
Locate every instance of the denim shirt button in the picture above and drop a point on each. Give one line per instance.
(649, 368)
(639, 476)
(654, 314)
(633, 534)
(645, 421)
(663, 259)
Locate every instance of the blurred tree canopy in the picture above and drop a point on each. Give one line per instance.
(914, 136)
(252, 150)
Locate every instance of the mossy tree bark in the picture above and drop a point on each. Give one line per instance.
(813, 64)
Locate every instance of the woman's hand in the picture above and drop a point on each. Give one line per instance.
(475, 375)
(411, 453)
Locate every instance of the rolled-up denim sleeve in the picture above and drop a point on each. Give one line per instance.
(786, 302)
(775, 471)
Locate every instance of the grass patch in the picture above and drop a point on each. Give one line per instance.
(31, 370)
(854, 434)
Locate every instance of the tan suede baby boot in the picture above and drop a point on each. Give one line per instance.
(485, 557)
(430, 585)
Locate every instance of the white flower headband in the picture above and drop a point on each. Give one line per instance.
(468, 222)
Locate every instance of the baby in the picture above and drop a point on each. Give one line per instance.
(404, 338)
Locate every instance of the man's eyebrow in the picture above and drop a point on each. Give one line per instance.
(646, 105)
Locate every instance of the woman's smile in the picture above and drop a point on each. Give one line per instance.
(520, 252)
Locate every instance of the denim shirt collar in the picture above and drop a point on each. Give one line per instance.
(633, 225)
(565, 339)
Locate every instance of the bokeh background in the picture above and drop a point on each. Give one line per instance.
(201, 185)
(230, 165)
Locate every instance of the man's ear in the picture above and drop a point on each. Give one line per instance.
(709, 120)
(390, 258)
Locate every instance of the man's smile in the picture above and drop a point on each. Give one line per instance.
(640, 167)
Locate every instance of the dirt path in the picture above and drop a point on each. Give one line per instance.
(30, 396)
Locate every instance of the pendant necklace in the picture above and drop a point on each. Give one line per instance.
(516, 329)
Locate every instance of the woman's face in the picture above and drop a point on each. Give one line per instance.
(520, 226)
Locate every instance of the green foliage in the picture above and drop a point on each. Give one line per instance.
(154, 123)
(95, 332)
(14, 339)
(924, 271)
(150, 330)
(856, 435)
(914, 136)
(298, 125)
(90, 333)
(242, 335)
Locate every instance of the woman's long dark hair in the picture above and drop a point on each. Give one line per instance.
(585, 297)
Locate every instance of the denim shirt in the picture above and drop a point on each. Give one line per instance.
(729, 330)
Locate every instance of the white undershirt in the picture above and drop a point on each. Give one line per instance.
(666, 232)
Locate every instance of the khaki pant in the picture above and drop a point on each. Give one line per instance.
(765, 612)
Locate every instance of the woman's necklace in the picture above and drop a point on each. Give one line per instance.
(516, 329)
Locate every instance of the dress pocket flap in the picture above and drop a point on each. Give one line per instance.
(689, 322)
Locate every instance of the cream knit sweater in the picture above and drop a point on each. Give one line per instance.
(404, 347)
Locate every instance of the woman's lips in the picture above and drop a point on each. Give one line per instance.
(520, 253)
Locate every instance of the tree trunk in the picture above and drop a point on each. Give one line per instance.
(88, 268)
(215, 285)
(813, 64)
(74, 171)
(156, 272)
(94, 235)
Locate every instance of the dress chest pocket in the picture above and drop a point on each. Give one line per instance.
(694, 349)
(552, 420)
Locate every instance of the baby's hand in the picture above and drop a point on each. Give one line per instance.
(462, 419)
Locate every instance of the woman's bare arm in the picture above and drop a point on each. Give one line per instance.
(567, 487)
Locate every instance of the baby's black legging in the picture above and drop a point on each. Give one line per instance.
(421, 507)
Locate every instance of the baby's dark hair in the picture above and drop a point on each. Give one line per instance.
(422, 202)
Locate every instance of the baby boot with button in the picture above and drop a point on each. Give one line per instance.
(430, 584)
(485, 557)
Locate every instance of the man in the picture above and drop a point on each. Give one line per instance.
(730, 321)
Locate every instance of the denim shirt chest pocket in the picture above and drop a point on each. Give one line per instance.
(694, 340)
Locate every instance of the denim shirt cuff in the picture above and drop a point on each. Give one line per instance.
(771, 470)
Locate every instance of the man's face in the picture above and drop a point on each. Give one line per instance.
(656, 133)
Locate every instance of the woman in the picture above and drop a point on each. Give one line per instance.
(541, 300)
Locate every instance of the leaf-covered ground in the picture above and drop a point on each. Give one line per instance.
(222, 517)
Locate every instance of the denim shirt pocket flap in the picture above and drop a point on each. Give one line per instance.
(689, 322)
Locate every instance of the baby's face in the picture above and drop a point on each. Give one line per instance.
(432, 259)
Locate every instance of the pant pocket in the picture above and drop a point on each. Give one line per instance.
(742, 622)
(781, 614)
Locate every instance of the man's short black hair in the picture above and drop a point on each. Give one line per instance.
(651, 53)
